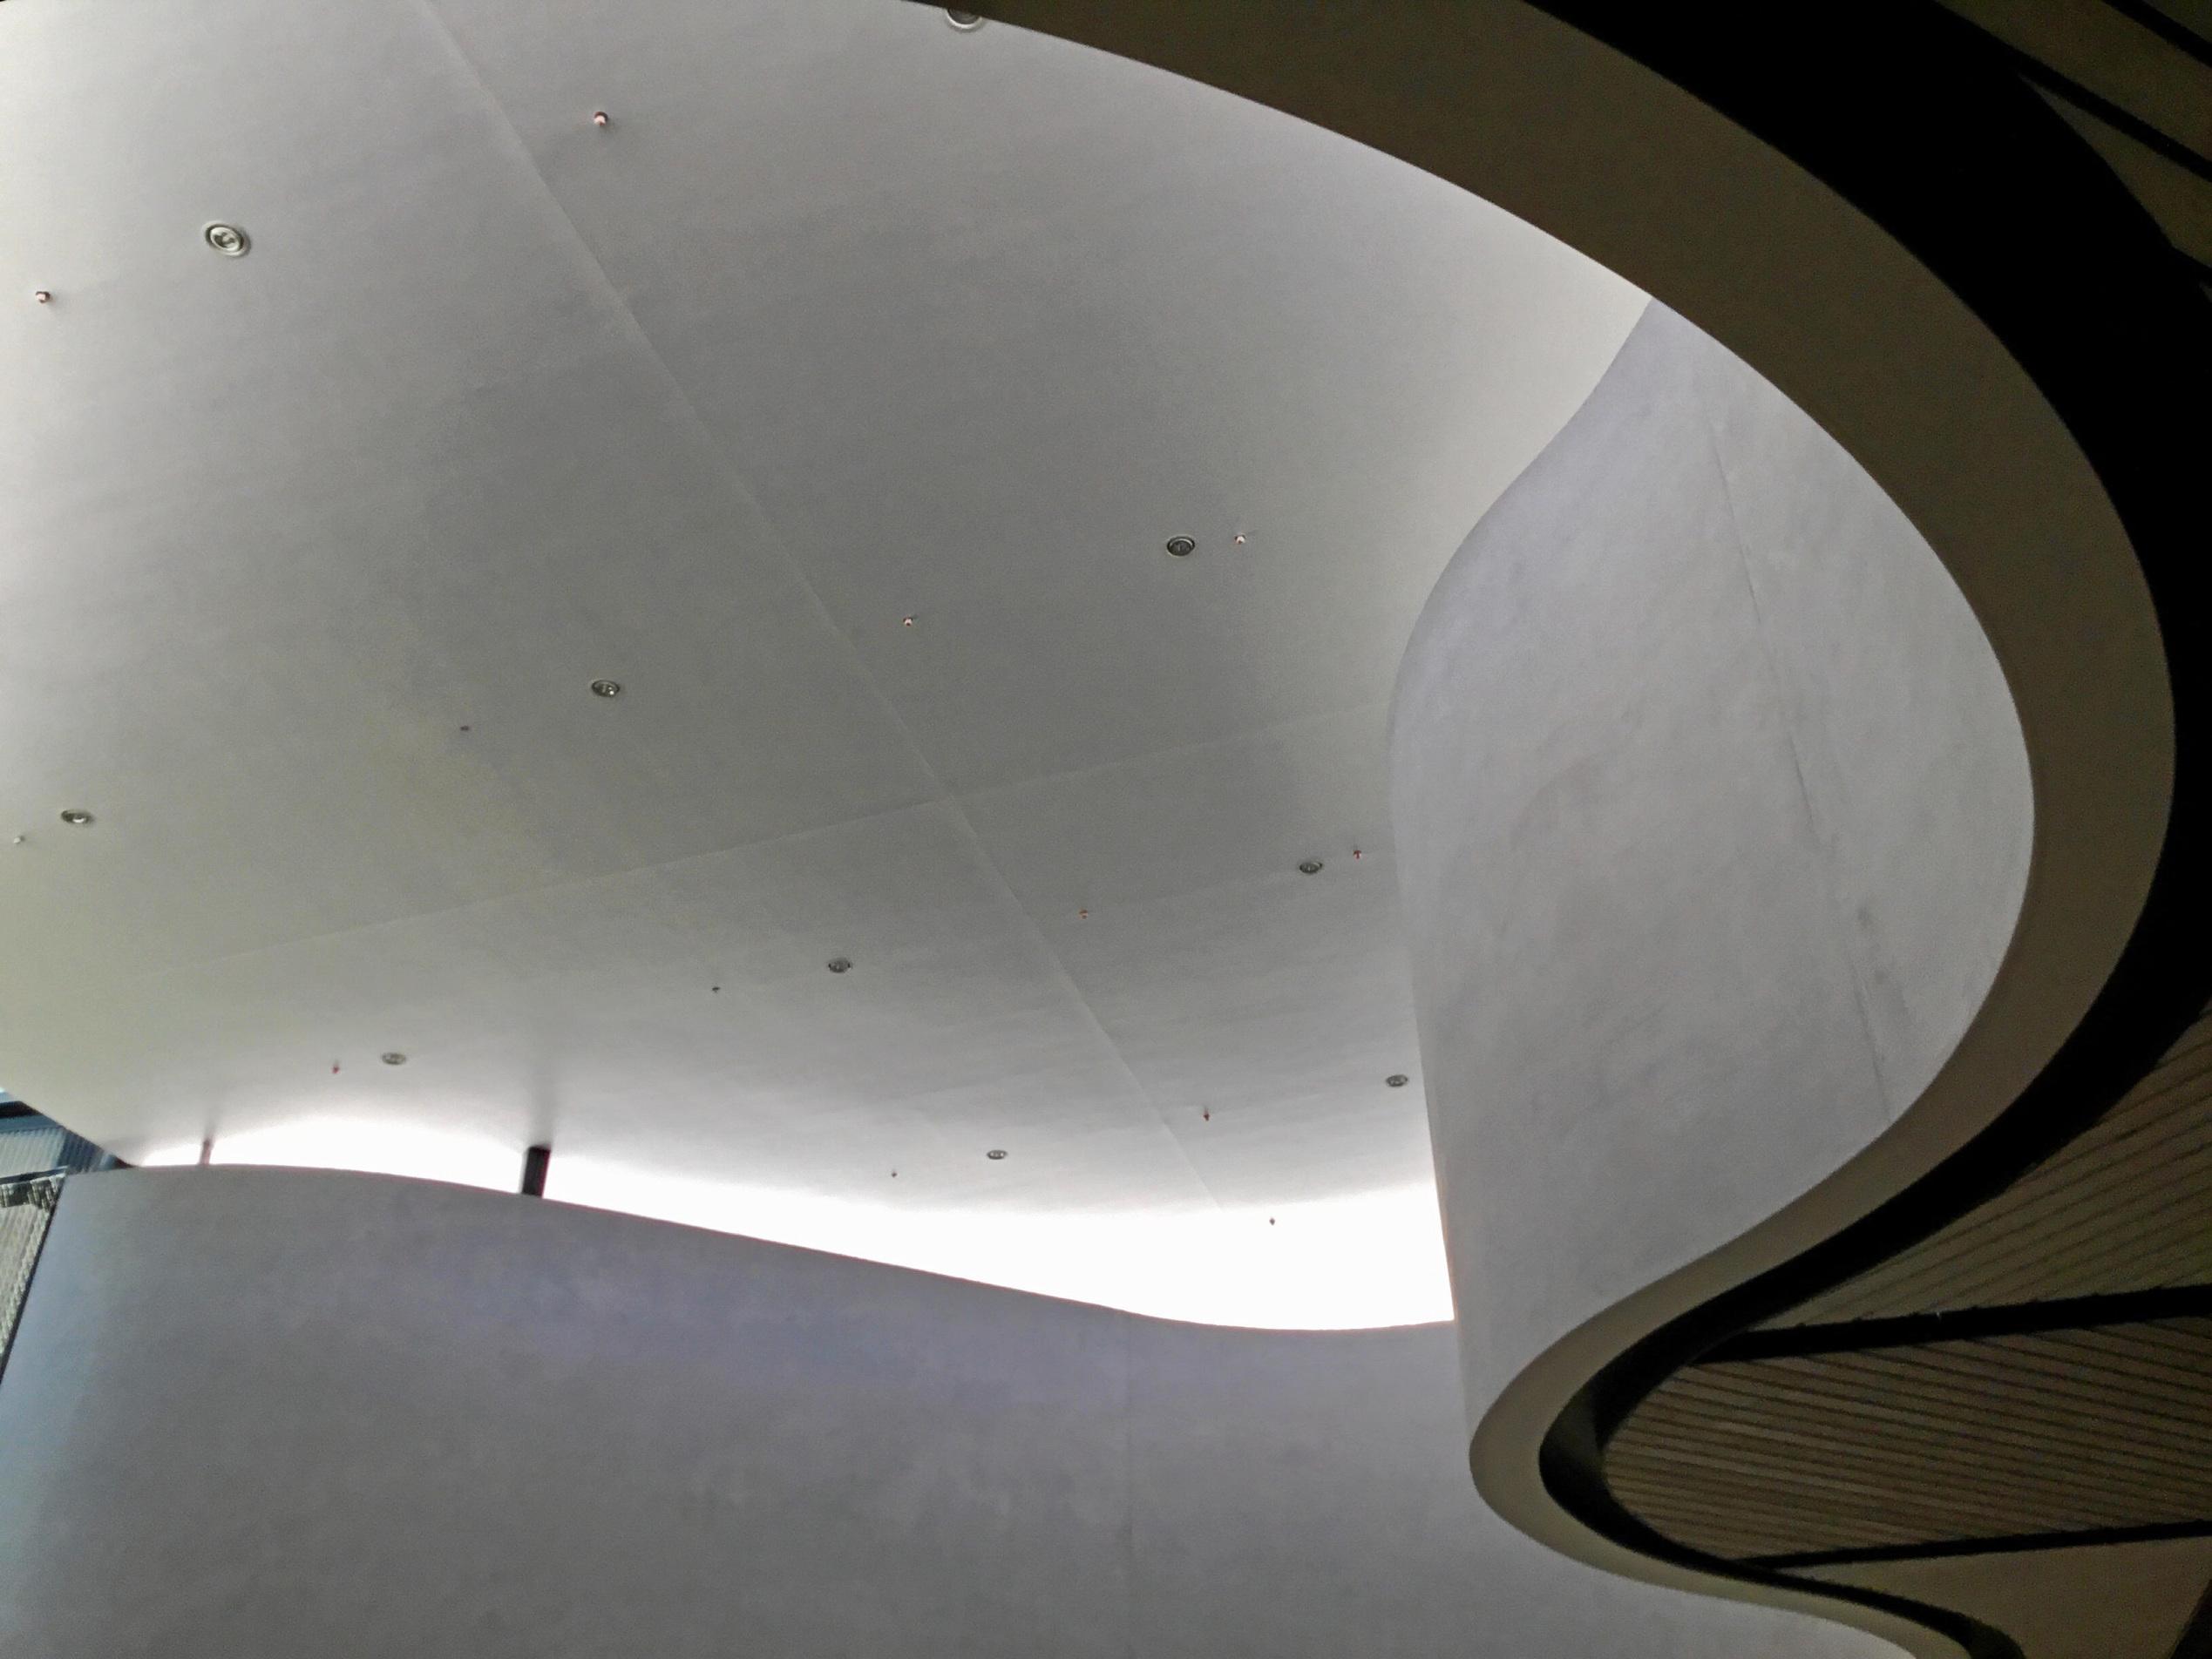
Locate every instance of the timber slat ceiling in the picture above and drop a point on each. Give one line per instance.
(2057, 1433)
(2127, 1206)
(1923, 1453)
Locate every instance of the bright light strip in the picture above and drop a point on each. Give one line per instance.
(373, 1146)
(1354, 1263)
(167, 1154)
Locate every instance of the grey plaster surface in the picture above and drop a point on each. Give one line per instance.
(845, 318)
(1714, 820)
(255, 1414)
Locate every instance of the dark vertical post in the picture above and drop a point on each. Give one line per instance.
(534, 1163)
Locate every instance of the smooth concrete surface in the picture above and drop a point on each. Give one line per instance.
(1714, 820)
(2096, 1603)
(257, 1414)
(1489, 94)
(845, 320)
(1828, 303)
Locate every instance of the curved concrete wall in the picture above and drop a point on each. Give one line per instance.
(262, 1412)
(1715, 819)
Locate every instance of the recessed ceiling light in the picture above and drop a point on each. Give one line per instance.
(77, 815)
(1181, 546)
(392, 1057)
(228, 240)
(1311, 867)
(606, 687)
(1397, 1080)
(966, 22)
(839, 965)
(995, 1154)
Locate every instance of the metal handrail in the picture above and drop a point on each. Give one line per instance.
(26, 1212)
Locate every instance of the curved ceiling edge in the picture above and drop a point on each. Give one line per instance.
(2104, 322)
(2027, 318)
(835, 406)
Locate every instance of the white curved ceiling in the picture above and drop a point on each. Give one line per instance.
(845, 317)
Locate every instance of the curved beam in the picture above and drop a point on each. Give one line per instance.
(1908, 244)
(1712, 819)
(259, 1411)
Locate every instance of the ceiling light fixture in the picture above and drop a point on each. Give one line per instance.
(995, 1154)
(1397, 1080)
(228, 240)
(1181, 546)
(76, 815)
(606, 687)
(966, 22)
(392, 1057)
(1311, 867)
(840, 964)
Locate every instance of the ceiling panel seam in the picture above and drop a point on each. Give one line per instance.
(1270, 728)
(1891, 1106)
(569, 884)
(687, 411)
(734, 481)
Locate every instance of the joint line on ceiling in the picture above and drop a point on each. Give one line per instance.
(732, 480)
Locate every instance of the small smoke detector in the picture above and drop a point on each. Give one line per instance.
(228, 240)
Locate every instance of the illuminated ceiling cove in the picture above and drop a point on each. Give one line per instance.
(829, 382)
